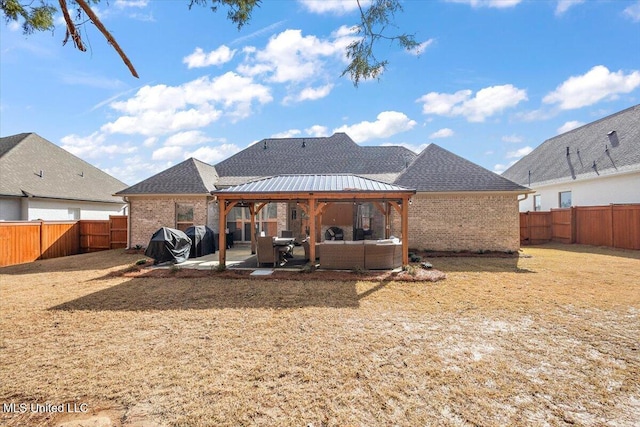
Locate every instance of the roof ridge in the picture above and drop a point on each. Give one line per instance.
(594, 122)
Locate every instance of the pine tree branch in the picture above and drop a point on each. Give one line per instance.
(72, 30)
(96, 21)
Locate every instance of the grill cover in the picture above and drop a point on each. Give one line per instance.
(168, 244)
(202, 240)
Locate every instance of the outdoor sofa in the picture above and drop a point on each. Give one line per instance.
(363, 254)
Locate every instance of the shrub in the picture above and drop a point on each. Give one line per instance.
(410, 269)
(308, 268)
(141, 262)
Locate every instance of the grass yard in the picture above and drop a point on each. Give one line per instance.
(550, 338)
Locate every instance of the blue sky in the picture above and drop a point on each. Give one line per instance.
(493, 79)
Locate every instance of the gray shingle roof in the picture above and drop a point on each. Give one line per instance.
(32, 166)
(587, 144)
(438, 170)
(189, 177)
(314, 183)
(336, 154)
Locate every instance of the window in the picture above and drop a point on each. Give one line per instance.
(184, 216)
(537, 206)
(565, 199)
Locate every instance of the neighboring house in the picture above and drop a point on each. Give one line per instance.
(458, 205)
(595, 164)
(39, 180)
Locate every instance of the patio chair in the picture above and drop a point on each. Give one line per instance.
(266, 252)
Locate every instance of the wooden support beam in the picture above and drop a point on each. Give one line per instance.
(222, 236)
(312, 231)
(405, 231)
(252, 213)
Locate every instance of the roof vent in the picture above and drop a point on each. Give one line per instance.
(567, 151)
(304, 143)
(264, 147)
(41, 174)
(613, 138)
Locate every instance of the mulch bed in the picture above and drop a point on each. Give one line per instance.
(418, 274)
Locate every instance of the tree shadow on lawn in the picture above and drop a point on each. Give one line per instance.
(474, 263)
(141, 294)
(101, 260)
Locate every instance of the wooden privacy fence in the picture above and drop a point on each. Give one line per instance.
(27, 241)
(617, 226)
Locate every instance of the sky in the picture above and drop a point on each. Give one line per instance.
(490, 81)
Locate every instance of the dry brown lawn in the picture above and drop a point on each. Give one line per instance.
(549, 338)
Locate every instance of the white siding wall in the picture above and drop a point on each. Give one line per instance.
(593, 192)
(54, 210)
(10, 209)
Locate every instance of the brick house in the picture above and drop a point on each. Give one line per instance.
(458, 205)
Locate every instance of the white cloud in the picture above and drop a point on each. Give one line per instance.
(191, 137)
(486, 102)
(317, 131)
(415, 148)
(150, 142)
(122, 4)
(497, 4)
(419, 50)
(573, 124)
(519, 153)
(512, 138)
(200, 59)
(499, 168)
(596, 85)
(291, 57)
(337, 7)
(564, 5)
(93, 146)
(162, 109)
(310, 94)
(286, 134)
(633, 12)
(215, 154)
(442, 133)
(134, 169)
(388, 123)
(168, 153)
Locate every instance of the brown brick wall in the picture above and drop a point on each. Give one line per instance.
(150, 214)
(456, 222)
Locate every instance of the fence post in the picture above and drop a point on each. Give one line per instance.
(574, 224)
(611, 230)
(40, 248)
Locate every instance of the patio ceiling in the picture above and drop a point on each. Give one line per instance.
(315, 191)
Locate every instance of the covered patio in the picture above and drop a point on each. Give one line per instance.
(314, 194)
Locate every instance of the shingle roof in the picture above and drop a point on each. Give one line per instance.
(32, 166)
(189, 177)
(590, 143)
(438, 170)
(336, 154)
(314, 183)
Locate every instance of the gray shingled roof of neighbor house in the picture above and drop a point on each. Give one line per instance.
(439, 170)
(314, 183)
(336, 154)
(189, 177)
(32, 166)
(612, 144)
